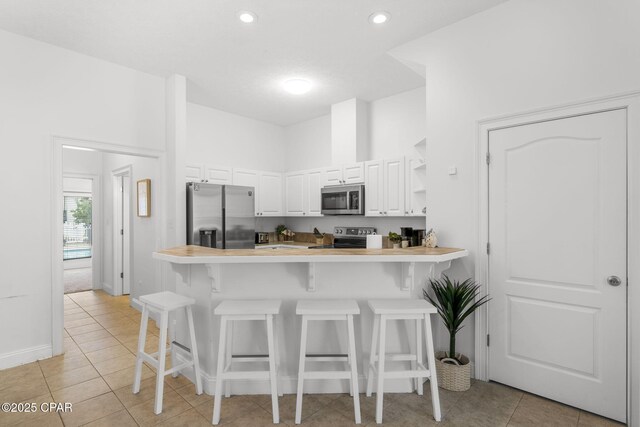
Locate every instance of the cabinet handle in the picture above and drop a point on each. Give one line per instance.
(380, 212)
(304, 213)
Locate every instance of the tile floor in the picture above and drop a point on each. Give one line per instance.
(96, 373)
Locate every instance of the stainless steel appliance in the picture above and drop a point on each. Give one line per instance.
(220, 216)
(349, 237)
(342, 200)
(262, 237)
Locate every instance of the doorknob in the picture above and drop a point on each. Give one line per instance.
(614, 281)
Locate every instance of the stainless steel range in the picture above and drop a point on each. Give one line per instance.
(349, 237)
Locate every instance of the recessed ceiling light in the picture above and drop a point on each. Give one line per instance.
(247, 17)
(297, 86)
(379, 17)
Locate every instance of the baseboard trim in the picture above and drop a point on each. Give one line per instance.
(107, 288)
(27, 355)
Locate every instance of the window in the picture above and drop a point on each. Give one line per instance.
(77, 227)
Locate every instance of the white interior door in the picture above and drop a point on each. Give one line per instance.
(121, 232)
(557, 230)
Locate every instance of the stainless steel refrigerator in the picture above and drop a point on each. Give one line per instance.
(220, 216)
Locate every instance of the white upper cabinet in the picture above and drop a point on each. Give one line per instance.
(302, 193)
(313, 198)
(332, 176)
(353, 174)
(384, 187)
(346, 174)
(374, 188)
(210, 174)
(270, 194)
(394, 187)
(218, 175)
(193, 173)
(249, 178)
(294, 183)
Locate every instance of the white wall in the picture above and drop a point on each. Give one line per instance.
(308, 144)
(145, 231)
(518, 56)
(396, 123)
(49, 91)
(216, 137)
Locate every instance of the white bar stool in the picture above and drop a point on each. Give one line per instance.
(328, 310)
(402, 309)
(233, 310)
(164, 303)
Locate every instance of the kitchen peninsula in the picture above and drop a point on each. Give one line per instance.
(211, 275)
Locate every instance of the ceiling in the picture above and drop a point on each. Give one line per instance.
(237, 67)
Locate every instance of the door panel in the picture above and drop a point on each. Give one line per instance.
(314, 185)
(557, 227)
(294, 194)
(332, 176)
(249, 178)
(394, 187)
(270, 194)
(374, 188)
(353, 174)
(219, 175)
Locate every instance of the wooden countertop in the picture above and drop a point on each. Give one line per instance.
(202, 255)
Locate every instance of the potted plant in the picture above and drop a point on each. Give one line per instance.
(455, 301)
(280, 229)
(395, 238)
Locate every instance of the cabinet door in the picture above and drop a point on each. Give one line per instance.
(415, 194)
(218, 175)
(270, 194)
(374, 188)
(394, 187)
(353, 174)
(294, 183)
(193, 173)
(249, 178)
(332, 176)
(312, 196)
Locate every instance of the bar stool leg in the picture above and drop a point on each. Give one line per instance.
(172, 338)
(381, 360)
(272, 371)
(228, 360)
(303, 353)
(162, 356)
(276, 345)
(142, 338)
(221, 353)
(194, 351)
(433, 379)
(354, 369)
(419, 355)
(372, 353)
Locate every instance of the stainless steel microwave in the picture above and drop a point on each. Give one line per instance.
(343, 200)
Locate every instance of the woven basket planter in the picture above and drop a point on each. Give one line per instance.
(453, 377)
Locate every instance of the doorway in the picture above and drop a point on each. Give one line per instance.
(557, 259)
(122, 230)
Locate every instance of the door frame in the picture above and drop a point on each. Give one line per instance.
(127, 250)
(631, 103)
(57, 284)
(96, 227)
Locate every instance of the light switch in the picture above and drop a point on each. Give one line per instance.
(453, 170)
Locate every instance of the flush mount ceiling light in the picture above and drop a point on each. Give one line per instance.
(379, 17)
(297, 86)
(247, 17)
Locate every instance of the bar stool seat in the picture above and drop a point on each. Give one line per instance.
(236, 310)
(328, 310)
(165, 303)
(402, 309)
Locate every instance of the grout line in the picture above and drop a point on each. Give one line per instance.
(49, 388)
(516, 408)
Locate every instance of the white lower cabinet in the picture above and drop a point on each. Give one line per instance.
(384, 187)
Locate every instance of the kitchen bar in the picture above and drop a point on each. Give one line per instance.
(212, 275)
